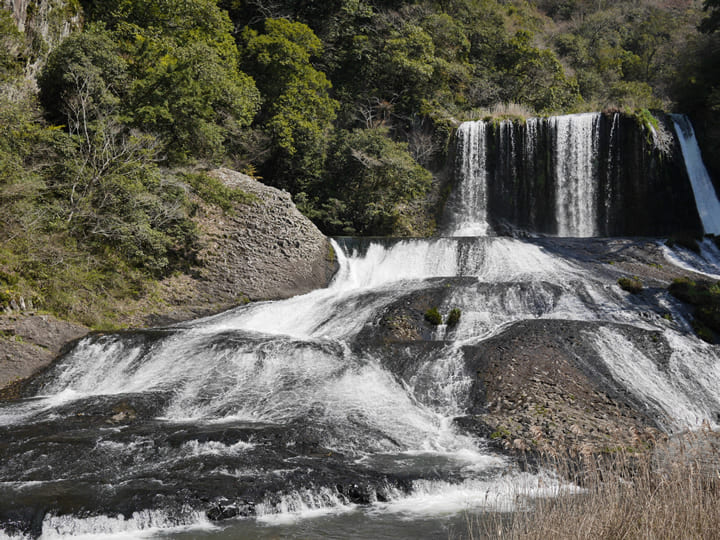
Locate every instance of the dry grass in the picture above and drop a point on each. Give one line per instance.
(672, 492)
(503, 111)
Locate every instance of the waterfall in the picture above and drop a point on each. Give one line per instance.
(706, 197)
(576, 147)
(347, 402)
(470, 198)
(580, 175)
(511, 173)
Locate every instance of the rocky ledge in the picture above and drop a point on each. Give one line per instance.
(28, 343)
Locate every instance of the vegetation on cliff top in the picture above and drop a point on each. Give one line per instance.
(347, 104)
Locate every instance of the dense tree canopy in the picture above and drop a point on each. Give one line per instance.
(298, 112)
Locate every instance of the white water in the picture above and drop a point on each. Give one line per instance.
(471, 197)
(706, 198)
(282, 362)
(576, 146)
(705, 263)
(144, 524)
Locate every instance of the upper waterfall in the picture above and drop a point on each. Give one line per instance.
(576, 142)
(469, 200)
(505, 157)
(705, 196)
(579, 175)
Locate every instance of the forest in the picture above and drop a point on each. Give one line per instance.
(349, 105)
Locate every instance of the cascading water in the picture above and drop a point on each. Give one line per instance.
(576, 148)
(573, 174)
(343, 406)
(469, 201)
(706, 198)
(580, 175)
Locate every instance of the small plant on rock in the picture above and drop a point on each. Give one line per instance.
(453, 317)
(631, 285)
(433, 316)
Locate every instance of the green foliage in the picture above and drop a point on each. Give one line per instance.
(623, 53)
(535, 76)
(704, 296)
(192, 95)
(632, 285)
(167, 68)
(83, 76)
(433, 316)
(453, 317)
(369, 182)
(646, 119)
(711, 23)
(12, 47)
(213, 191)
(298, 112)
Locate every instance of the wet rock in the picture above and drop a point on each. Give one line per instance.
(542, 388)
(224, 509)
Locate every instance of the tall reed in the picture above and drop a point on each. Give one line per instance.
(671, 492)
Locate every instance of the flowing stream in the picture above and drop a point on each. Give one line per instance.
(297, 421)
(705, 197)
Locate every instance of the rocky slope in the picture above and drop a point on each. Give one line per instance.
(46, 23)
(538, 384)
(262, 250)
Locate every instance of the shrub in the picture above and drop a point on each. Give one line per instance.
(704, 296)
(454, 317)
(631, 285)
(433, 316)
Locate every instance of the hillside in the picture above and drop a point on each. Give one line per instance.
(110, 115)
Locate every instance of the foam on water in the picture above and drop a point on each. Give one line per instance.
(684, 391)
(144, 524)
(505, 493)
(706, 263)
(302, 504)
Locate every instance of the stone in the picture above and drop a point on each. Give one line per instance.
(264, 250)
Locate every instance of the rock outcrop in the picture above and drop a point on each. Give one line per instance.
(262, 250)
(28, 343)
(46, 23)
